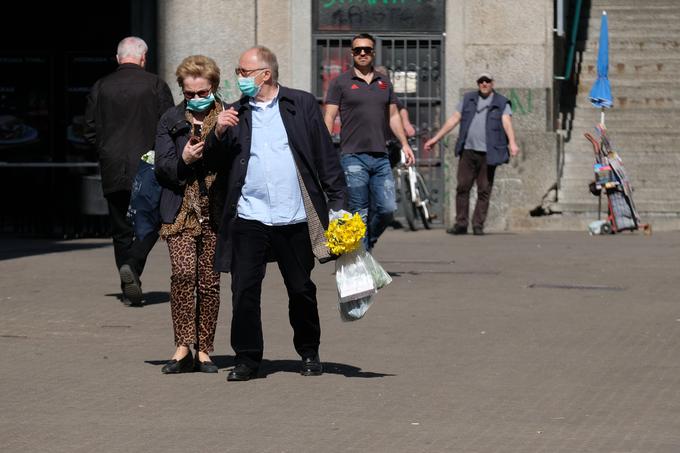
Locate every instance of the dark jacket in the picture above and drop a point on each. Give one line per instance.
(317, 162)
(171, 172)
(496, 141)
(122, 112)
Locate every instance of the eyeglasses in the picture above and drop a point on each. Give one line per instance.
(246, 72)
(356, 51)
(483, 80)
(191, 94)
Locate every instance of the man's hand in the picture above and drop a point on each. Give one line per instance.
(192, 152)
(410, 158)
(429, 144)
(514, 149)
(225, 119)
(409, 129)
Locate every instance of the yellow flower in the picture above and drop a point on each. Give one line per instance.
(344, 234)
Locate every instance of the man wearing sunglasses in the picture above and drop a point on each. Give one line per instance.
(486, 140)
(366, 102)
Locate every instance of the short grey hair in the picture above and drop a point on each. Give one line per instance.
(132, 46)
(268, 57)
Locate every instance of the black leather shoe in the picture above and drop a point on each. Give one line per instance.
(183, 365)
(242, 372)
(478, 231)
(132, 287)
(311, 366)
(457, 229)
(205, 367)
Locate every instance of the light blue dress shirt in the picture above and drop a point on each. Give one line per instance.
(271, 192)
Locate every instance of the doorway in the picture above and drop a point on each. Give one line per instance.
(415, 65)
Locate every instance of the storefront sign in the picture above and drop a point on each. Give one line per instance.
(379, 15)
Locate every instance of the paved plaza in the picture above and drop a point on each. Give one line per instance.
(533, 342)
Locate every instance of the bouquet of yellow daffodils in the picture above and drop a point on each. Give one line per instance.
(357, 274)
(344, 233)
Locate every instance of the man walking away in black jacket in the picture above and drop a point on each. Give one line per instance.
(123, 109)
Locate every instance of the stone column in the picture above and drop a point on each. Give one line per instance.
(215, 28)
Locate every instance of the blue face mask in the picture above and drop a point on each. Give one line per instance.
(248, 86)
(200, 104)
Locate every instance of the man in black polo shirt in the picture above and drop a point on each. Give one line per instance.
(365, 100)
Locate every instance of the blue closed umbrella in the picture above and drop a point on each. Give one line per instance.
(601, 93)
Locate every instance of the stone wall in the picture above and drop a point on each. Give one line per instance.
(223, 29)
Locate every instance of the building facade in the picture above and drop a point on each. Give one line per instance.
(433, 49)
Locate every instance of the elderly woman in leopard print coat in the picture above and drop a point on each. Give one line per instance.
(186, 210)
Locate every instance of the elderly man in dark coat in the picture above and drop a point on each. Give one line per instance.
(123, 109)
(280, 176)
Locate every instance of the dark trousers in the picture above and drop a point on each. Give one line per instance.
(472, 167)
(126, 248)
(253, 243)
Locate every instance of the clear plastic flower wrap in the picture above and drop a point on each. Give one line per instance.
(355, 308)
(353, 277)
(358, 275)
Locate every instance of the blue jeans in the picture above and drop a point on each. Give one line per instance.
(371, 191)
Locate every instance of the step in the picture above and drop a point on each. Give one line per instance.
(651, 55)
(657, 120)
(577, 191)
(636, 29)
(644, 96)
(575, 188)
(661, 164)
(642, 207)
(631, 113)
(648, 144)
(666, 163)
(639, 123)
(579, 222)
(662, 145)
(620, 18)
(621, 78)
(641, 43)
(632, 6)
(638, 67)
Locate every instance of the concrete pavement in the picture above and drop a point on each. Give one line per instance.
(537, 342)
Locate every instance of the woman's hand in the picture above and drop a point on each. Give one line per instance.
(192, 152)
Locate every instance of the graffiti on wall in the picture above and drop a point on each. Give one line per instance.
(380, 15)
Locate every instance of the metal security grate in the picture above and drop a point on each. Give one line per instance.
(416, 68)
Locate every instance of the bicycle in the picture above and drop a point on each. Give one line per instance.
(412, 192)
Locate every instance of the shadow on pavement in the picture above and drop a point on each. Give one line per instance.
(268, 367)
(150, 298)
(19, 248)
(293, 366)
(222, 361)
(156, 297)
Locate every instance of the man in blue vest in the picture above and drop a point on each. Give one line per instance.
(486, 140)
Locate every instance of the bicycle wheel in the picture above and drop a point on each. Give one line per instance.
(406, 203)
